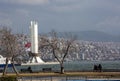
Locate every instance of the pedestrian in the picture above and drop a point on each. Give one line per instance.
(100, 67)
(95, 68)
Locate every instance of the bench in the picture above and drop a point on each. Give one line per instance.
(1, 70)
(46, 69)
(26, 70)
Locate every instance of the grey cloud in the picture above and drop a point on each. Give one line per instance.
(68, 5)
(6, 22)
(4, 19)
(28, 2)
(22, 12)
(110, 22)
(67, 15)
(110, 25)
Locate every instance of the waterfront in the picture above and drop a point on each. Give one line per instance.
(74, 71)
(77, 66)
(51, 76)
(74, 66)
(68, 76)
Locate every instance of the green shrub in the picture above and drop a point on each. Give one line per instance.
(8, 79)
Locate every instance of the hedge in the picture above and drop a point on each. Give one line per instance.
(8, 79)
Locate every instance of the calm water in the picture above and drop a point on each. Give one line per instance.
(76, 78)
(77, 66)
(63, 79)
(93, 80)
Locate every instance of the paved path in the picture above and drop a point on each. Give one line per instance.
(85, 74)
(50, 76)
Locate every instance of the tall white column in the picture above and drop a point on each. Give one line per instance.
(34, 43)
(34, 37)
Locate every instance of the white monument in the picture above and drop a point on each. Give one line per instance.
(34, 58)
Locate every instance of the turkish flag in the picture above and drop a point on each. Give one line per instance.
(28, 45)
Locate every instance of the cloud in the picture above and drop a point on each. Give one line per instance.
(110, 22)
(4, 19)
(82, 14)
(23, 12)
(65, 8)
(67, 5)
(27, 2)
(67, 1)
(84, 5)
(6, 22)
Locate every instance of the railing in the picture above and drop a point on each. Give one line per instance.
(66, 78)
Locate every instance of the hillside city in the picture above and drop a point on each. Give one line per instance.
(87, 50)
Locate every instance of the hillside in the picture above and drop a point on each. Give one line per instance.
(96, 36)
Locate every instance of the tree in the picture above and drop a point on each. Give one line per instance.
(62, 47)
(59, 47)
(9, 43)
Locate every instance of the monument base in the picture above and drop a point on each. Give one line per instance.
(34, 58)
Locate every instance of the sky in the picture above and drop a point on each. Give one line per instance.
(61, 15)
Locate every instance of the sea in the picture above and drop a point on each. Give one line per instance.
(77, 66)
(93, 80)
(61, 79)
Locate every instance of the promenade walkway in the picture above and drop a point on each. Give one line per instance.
(51, 76)
(85, 74)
